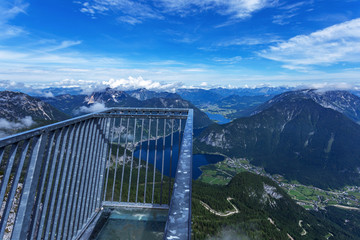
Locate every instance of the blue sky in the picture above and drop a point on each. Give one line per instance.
(175, 43)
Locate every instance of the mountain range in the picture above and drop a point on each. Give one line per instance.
(15, 105)
(74, 104)
(295, 135)
(341, 101)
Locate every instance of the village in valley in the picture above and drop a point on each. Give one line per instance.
(309, 197)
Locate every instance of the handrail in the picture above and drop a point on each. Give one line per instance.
(37, 131)
(55, 178)
(178, 225)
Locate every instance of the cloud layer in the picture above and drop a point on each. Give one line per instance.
(21, 123)
(8, 11)
(134, 12)
(96, 107)
(132, 83)
(9, 127)
(335, 44)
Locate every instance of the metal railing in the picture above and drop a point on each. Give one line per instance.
(55, 180)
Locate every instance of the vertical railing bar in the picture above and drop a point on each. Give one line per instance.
(147, 159)
(80, 154)
(179, 140)
(2, 150)
(162, 162)
(103, 155)
(109, 159)
(62, 185)
(139, 163)
(75, 176)
(95, 171)
(56, 184)
(116, 160)
(9, 166)
(156, 140)
(98, 165)
(124, 158)
(171, 156)
(97, 185)
(23, 221)
(132, 159)
(68, 181)
(92, 170)
(85, 181)
(58, 136)
(7, 209)
(43, 182)
(81, 183)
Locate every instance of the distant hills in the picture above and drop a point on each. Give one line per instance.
(71, 104)
(296, 136)
(201, 96)
(265, 211)
(232, 103)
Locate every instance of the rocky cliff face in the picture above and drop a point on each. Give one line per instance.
(341, 101)
(16, 105)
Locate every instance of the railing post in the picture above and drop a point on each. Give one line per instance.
(23, 219)
(178, 225)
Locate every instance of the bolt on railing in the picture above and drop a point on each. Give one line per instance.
(56, 179)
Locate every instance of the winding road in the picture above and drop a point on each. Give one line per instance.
(221, 214)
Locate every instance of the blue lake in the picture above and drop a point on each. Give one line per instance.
(218, 118)
(198, 159)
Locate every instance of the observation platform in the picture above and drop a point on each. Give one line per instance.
(104, 175)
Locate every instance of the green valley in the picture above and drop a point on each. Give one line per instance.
(309, 197)
(251, 206)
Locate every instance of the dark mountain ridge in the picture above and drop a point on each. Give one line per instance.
(296, 137)
(17, 105)
(115, 98)
(341, 101)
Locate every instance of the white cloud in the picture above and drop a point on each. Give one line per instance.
(338, 43)
(134, 12)
(131, 12)
(331, 86)
(4, 134)
(231, 60)
(8, 11)
(237, 9)
(138, 82)
(289, 11)
(96, 107)
(130, 20)
(62, 45)
(46, 56)
(246, 41)
(20, 123)
(48, 94)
